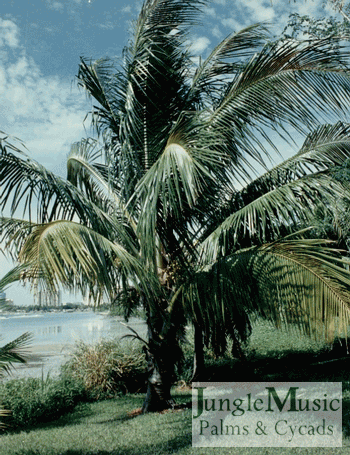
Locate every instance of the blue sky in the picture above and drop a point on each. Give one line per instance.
(41, 42)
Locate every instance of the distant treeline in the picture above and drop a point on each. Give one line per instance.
(66, 306)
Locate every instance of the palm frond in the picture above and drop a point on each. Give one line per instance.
(157, 69)
(328, 145)
(324, 148)
(305, 285)
(300, 284)
(224, 61)
(293, 83)
(14, 352)
(7, 142)
(4, 413)
(13, 234)
(79, 258)
(11, 353)
(15, 274)
(104, 83)
(167, 15)
(83, 172)
(281, 208)
(187, 168)
(28, 186)
(156, 209)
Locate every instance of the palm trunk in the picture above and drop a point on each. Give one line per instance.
(161, 353)
(158, 395)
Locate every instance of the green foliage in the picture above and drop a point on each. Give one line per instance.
(127, 307)
(12, 352)
(165, 210)
(107, 368)
(333, 222)
(33, 400)
(104, 428)
(301, 27)
(166, 183)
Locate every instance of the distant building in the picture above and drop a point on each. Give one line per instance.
(50, 298)
(4, 300)
(88, 300)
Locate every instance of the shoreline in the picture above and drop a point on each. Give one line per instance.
(42, 360)
(54, 342)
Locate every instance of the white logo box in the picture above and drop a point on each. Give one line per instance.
(267, 414)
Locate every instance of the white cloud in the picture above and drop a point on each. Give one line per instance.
(216, 32)
(199, 45)
(275, 13)
(60, 5)
(55, 5)
(8, 33)
(258, 10)
(232, 24)
(250, 11)
(310, 8)
(108, 25)
(47, 113)
(210, 11)
(126, 9)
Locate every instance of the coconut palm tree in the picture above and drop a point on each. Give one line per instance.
(166, 208)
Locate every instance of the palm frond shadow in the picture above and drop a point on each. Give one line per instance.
(76, 417)
(172, 446)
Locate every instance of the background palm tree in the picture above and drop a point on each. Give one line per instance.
(166, 209)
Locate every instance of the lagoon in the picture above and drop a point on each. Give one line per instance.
(54, 335)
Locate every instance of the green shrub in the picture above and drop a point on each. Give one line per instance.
(108, 368)
(33, 400)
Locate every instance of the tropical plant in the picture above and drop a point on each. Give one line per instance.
(306, 27)
(166, 210)
(12, 352)
(340, 7)
(309, 27)
(107, 368)
(38, 400)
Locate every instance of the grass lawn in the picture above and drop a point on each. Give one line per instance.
(106, 428)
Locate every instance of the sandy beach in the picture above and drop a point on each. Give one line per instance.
(42, 360)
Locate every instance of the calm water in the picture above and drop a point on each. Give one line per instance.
(55, 333)
(64, 328)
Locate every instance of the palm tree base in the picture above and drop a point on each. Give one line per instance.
(158, 395)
